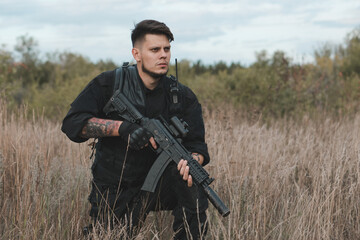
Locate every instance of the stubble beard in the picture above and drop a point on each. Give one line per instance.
(153, 74)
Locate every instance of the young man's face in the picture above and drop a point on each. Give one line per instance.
(153, 54)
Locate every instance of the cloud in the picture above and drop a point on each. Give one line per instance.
(230, 30)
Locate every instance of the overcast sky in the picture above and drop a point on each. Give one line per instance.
(209, 30)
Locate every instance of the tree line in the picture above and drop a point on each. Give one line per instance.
(273, 86)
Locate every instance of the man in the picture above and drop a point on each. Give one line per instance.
(124, 151)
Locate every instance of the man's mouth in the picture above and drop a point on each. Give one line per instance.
(162, 64)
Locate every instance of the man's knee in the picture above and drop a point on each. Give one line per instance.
(193, 198)
(188, 224)
(196, 201)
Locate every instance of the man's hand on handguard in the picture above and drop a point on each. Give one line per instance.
(184, 168)
(136, 136)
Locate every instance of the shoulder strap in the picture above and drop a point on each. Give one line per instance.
(119, 76)
(174, 90)
(175, 96)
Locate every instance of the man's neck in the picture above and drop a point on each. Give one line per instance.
(149, 82)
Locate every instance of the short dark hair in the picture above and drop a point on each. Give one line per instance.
(150, 27)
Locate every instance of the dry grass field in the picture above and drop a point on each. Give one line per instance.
(285, 180)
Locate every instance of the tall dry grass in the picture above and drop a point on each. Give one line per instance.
(283, 181)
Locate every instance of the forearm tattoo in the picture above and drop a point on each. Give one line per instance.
(97, 127)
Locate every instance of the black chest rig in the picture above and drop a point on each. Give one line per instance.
(126, 79)
(110, 152)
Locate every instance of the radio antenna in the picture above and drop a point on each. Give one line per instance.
(176, 70)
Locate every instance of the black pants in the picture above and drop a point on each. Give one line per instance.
(130, 205)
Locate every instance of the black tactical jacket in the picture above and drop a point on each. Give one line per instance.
(111, 151)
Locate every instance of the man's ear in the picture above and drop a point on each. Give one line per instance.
(136, 54)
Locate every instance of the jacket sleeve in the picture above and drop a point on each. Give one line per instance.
(192, 114)
(88, 104)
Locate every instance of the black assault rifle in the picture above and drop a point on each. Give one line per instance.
(168, 139)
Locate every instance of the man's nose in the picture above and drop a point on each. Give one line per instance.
(163, 53)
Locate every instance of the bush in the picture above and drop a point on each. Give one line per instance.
(273, 86)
